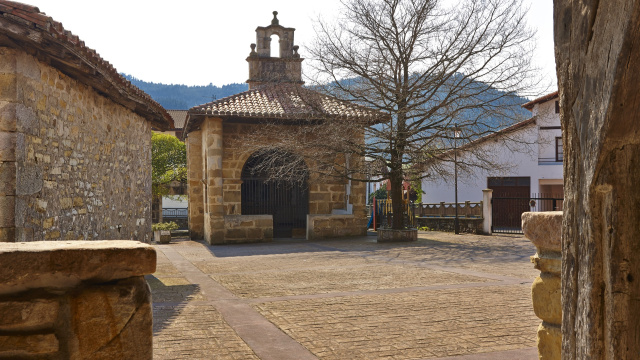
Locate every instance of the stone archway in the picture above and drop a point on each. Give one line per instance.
(287, 200)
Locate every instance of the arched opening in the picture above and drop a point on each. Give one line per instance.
(275, 45)
(286, 199)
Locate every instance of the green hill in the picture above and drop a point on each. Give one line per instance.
(183, 97)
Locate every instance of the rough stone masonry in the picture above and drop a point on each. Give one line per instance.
(75, 137)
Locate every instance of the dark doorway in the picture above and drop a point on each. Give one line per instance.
(286, 200)
(511, 197)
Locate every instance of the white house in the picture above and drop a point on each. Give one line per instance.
(537, 169)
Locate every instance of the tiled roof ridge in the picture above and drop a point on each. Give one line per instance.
(31, 17)
(271, 90)
(539, 100)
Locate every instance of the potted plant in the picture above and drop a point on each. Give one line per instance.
(162, 231)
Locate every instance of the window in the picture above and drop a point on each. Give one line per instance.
(557, 107)
(559, 152)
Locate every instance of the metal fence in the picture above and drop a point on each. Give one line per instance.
(179, 215)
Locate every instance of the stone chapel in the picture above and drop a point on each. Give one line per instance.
(229, 202)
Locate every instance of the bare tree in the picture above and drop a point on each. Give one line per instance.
(430, 69)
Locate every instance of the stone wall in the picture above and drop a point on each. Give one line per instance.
(76, 165)
(215, 197)
(467, 225)
(325, 195)
(76, 300)
(247, 228)
(332, 226)
(544, 231)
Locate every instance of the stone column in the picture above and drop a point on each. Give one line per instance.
(195, 186)
(8, 140)
(214, 205)
(487, 211)
(543, 229)
(76, 300)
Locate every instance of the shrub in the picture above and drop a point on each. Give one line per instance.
(164, 226)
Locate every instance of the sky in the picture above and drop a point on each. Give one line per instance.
(198, 42)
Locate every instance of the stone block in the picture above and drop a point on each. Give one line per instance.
(8, 178)
(32, 313)
(233, 196)
(255, 233)
(546, 296)
(324, 208)
(21, 346)
(27, 66)
(320, 197)
(7, 211)
(543, 229)
(112, 322)
(235, 234)
(8, 86)
(264, 222)
(8, 234)
(8, 60)
(26, 120)
(30, 179)
(8, 116)
(8, 143)
(389, 235)
(64, 264)
(549, 342)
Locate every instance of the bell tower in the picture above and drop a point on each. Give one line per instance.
(284, 67)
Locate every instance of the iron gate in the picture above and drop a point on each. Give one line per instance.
(507, 211)
(286, 200)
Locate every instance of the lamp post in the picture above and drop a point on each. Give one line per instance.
(456, 133)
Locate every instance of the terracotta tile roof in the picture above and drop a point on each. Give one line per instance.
(25, 27)
(284, 101)
(530, 104)
(179, 118)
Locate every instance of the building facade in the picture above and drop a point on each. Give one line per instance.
(528, 153)
(230, 199)
(75, 137)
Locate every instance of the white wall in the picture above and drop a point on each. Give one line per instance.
(175, 201)
(520, 163)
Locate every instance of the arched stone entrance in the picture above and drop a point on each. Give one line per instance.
(286, 200)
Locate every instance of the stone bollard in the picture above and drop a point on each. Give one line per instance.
(543, 229)
(76, 300)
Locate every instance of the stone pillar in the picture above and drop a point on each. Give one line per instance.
(487, 211)
(8, 142)
(195, 186)
(214, 205)
(543, 229)
(76, 300)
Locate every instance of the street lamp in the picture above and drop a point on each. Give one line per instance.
(456, 134)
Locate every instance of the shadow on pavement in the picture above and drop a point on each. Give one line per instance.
(168, 301)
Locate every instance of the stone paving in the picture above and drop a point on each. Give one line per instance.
(445, 296)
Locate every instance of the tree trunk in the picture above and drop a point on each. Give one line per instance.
(396, 201)
(598, 63)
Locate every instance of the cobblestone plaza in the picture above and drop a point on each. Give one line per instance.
(443, 297)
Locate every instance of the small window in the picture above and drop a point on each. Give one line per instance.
(559, 151)
(557, 107)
